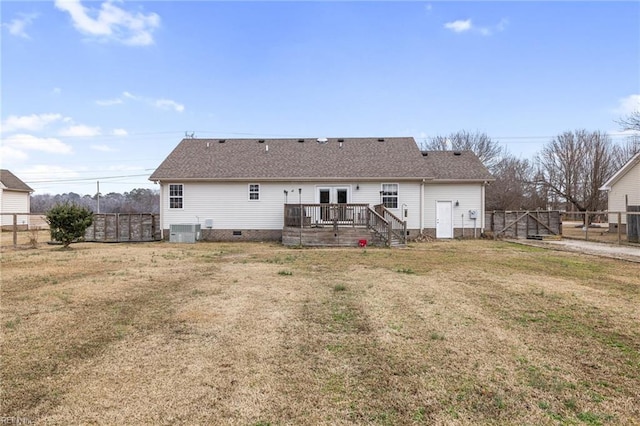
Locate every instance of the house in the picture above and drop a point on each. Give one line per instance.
(623, 190)
(335, 191)
(15, 197)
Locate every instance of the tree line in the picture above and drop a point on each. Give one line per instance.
(139, 200)
(566, 174)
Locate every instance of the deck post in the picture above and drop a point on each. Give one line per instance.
(619, 226)
(15, 229)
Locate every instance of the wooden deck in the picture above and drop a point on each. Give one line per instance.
(341, 225)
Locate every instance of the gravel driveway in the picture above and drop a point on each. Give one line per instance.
(623, 252)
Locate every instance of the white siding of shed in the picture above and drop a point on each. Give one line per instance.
(14, 202)
(627, 187)
(469, 196)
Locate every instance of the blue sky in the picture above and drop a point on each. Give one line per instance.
(104, 90)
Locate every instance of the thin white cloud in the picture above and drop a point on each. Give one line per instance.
(161, 103)
(119, 132)
(103, 148)
(502, 25)
(18, 26)
(56, 91)
(111, 22)
(459, 26)
(168, 104)
(9, 154)
(25, 142)
(109, 102)
(33, 122)
(628, 105)
(129, 95)
(80, 130)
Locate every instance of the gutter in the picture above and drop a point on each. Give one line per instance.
(289, 179)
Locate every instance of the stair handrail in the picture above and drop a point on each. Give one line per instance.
(400, 230)
(372, 223)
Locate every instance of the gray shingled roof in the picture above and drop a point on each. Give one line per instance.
(11, 182)
(456, 165)
(338, 158)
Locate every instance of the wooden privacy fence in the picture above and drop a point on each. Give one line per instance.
(524, 224)
(124, 227)
(633, 224)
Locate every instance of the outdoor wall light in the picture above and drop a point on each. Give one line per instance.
(357, 186)
(457, 203)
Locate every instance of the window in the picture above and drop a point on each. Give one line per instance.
(175, 196)
(390, 195)
(254, 192)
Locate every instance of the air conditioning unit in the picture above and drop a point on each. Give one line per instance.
(184, 232)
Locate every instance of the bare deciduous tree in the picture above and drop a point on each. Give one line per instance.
(513, 188)
(631, 121)
(574, 165)
(624, 152)
(487, 150)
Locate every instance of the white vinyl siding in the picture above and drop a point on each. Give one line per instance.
(14, 202)
(227, 203)
(626, 189)
(468, 197)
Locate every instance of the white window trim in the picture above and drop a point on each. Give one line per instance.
(169, 196)
(249, 192)
(397, 196)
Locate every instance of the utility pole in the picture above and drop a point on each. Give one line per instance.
(98, 195)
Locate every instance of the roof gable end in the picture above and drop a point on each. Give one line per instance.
(12, 183)
(633, 162)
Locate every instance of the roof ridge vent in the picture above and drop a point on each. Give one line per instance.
(457, 153)
(322, 140)
(380, 139)
(340, 140)
(300, 140)
(222, 141)
(260, 140)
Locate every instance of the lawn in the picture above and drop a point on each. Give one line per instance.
(457, 332)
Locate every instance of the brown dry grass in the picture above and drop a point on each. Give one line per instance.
(460, 332)
(598, 232)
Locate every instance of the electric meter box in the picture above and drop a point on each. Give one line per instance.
(473, 214)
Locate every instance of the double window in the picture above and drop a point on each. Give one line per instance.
(390, 195)
(254, 192)
(175, 196)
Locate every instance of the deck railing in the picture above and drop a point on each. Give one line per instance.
(379, 220)
(321, 215)
(397, 226)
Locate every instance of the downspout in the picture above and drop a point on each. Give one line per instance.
(482, 192)
(421, 206)
(161, 224)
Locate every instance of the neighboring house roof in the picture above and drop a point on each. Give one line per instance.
(456, 166)
(12, 183)
(311, 159)
(635, 160)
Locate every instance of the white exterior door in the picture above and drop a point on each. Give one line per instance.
(332, 195)
(444, 219)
